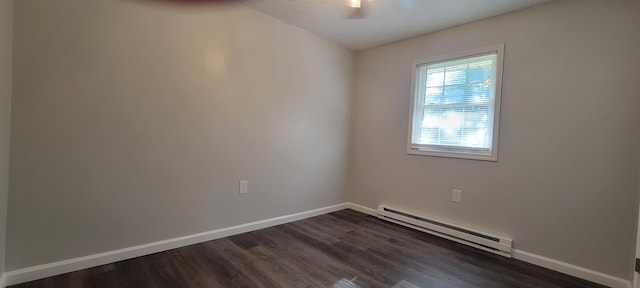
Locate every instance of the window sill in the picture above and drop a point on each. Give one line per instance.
(460, 155)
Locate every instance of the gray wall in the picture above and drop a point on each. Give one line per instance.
(133, 122)
(565, 185)
(6, 27)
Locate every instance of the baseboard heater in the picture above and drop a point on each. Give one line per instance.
(480, 240)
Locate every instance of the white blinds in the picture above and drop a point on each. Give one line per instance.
(453, 105)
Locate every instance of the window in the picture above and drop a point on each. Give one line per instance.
(456, 105)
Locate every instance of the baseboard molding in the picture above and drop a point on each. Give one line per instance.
(360, 208)
(70, 265)
(56, 268)
(573, 270)
(3, 280)
(566, 268)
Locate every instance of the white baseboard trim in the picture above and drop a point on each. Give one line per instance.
(65, 266)
(573, 270)
(363, 209)
(566, 268)
(3, 280)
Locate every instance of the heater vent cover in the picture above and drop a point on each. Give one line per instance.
(494, 244)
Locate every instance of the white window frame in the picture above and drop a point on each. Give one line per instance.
(456, 151)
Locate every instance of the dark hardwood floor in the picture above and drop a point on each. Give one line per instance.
(341, 249)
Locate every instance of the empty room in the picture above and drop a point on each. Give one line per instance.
(319, 143)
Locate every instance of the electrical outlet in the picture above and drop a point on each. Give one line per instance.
(456, 195)
(244, 187)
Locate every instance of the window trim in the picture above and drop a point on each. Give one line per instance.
(453, 151)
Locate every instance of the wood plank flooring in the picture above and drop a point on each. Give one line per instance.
(341, 249)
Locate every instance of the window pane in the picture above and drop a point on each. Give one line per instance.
(480, 71)
(443, 126)
(455, 75)
(454, 94)
(434, 95)
(461, 126)
(475, 131)
(435, 77)
(479, 92)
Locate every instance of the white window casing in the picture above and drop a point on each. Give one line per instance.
(455, 105)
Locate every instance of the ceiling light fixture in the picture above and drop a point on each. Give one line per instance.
(353, 3)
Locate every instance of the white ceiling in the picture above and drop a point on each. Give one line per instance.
(383, 21)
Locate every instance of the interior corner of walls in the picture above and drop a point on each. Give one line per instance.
(361, 208)
(6, 79)
(570, 269)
